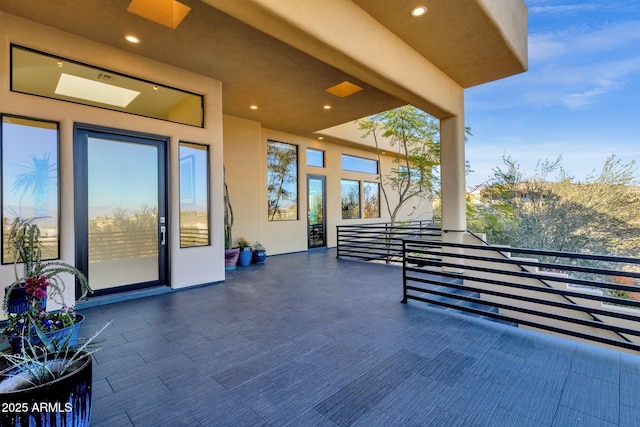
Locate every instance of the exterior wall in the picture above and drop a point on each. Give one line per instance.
(244, 174)
(187, 266)
(246, 168)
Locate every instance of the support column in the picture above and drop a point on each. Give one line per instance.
(454, 212)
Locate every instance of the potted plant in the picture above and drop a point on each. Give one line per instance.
(230, 253)
(259, 253)
(26, 298)
(245, 251)
(48, 383)
(46, 380)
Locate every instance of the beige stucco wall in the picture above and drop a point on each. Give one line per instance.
(245, 160)
(244, 166)
(188, 266)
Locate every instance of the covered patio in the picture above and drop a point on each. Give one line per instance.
(310, 340)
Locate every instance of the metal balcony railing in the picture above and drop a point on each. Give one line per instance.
(588, 297)
(382, 242)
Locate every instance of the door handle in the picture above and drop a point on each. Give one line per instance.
(163, 233)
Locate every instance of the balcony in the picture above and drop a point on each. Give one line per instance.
(309, 339)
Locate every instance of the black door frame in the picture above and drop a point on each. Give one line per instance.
(324, 211)
(81, 133)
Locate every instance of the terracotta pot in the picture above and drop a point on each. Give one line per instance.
(231, 258)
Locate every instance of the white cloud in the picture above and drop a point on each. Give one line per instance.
(563, 8)
(576, 40)
(575, 67)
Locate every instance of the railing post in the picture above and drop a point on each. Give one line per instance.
(404, 272)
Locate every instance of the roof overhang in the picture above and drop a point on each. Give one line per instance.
(282, 55)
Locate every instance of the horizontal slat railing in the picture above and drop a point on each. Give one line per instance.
(381, 241)
(590, 297)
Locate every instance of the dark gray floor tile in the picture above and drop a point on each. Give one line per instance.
(138, 395)
(415, 396)
(629, 416)
(533, 397)
(350, 403)
(447, 367)
(501, 416)
(311, 417)
(630, 389)
(593, 396)
(163, 414)
(376, 418)
(116, 419)
(247, 370)
(597, 363)
(568, 417)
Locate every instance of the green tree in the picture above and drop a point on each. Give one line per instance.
(598, 215)
(416, 136)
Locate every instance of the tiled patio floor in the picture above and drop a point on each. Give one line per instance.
(309, 340)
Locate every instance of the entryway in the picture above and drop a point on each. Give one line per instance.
(316, 211)
(121, 211)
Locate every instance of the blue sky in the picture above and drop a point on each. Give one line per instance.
(580, 97)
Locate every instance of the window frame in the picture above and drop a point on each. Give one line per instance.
(56, 125)
(207, 178)
(359, 159)
(271, 217)
(322, 153)
(342, 198)
(149, 87)
(364, 209)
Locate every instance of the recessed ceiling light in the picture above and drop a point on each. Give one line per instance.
(132, 39)
(254, 107)
(418, 11)
(321, 137)
(327, 107)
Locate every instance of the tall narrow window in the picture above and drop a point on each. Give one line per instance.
(350, 191)
(30, 186)
(282, 181)
(194, 195)
(371, 199)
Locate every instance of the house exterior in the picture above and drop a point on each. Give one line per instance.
(235, 92)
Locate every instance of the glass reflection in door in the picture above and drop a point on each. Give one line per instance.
(315, 214)
(122, 189)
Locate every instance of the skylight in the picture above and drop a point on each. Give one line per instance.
(90, 90)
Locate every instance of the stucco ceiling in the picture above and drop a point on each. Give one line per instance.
(287, 84)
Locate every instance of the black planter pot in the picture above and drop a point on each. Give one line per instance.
(259, 256)
(63, 402)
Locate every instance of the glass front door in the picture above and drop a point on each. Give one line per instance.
(120, 219)
(315, 211)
